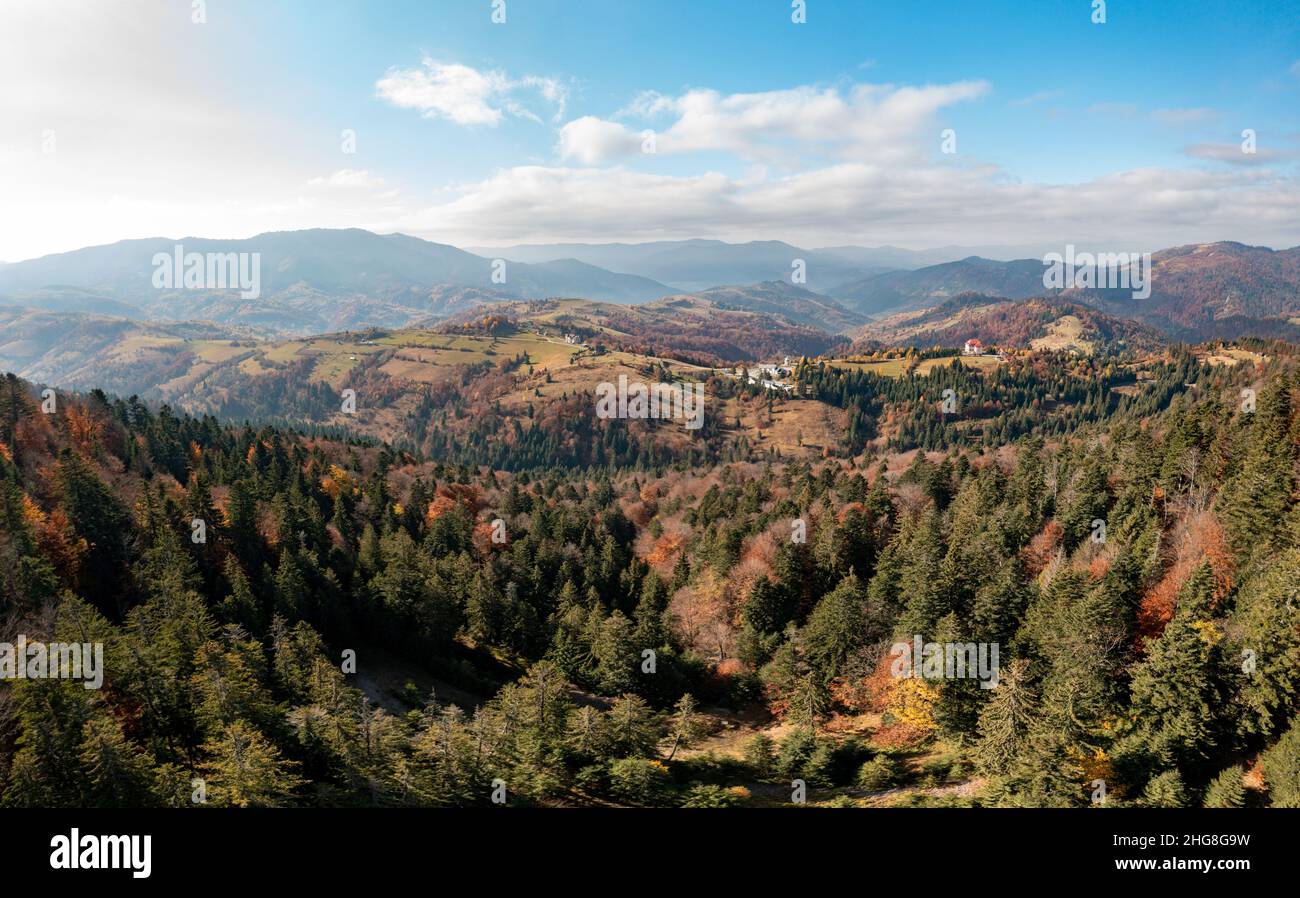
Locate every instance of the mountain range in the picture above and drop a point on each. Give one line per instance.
(895, 291)
(1198, 292)
(311, 281)
(691, 265)
(323, 281)
(699, 264)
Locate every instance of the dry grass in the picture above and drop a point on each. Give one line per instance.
(883, 367)
(1065, 332)
(1230, 357)
(977, 362)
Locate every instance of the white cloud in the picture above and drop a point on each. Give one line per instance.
(1171, 117)
(1232, 153)
(463, 94)
(866, 202)
(1037, 97)
(792, 127)
(1177, 117)
(591, 140)
(150, 144)
(348, 178)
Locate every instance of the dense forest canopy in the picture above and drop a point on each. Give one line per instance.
(581, 613)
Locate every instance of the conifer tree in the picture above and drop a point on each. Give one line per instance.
(1281, 767)
(245, 770)
(1226, 790)
(1005, 721)
(837, 627)
(115, 773)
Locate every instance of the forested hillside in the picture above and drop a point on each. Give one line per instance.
(365, 626)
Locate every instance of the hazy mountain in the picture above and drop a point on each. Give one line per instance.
(72, 299)
(893, 257)
(311, 280)
(902, 290)
(320, 281)
(700, 264)
(780, 299)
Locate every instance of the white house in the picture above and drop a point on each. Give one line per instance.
(973, 347)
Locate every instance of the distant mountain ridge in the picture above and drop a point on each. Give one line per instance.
(1199, 291)
(901, 290)
(313, 280)
(783, 300)
(321, 281)
(693, 265)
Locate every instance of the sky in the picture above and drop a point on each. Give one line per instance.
(916, 124)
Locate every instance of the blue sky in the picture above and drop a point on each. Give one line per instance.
(821, 133)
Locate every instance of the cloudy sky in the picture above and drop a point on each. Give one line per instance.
(592, 120)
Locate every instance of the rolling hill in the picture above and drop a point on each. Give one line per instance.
(1038, 323)
(84, 351)
(692, 328)
(472, 383)
(187, 362)
(1215, 290)
(784, 300)
(897, 291)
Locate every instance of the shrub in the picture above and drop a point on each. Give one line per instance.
(593, 778)
(706, 796)
(638, 781)
(792, 758)
(880, 773)
(759, 755)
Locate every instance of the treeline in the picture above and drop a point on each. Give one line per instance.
(1046, 395)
